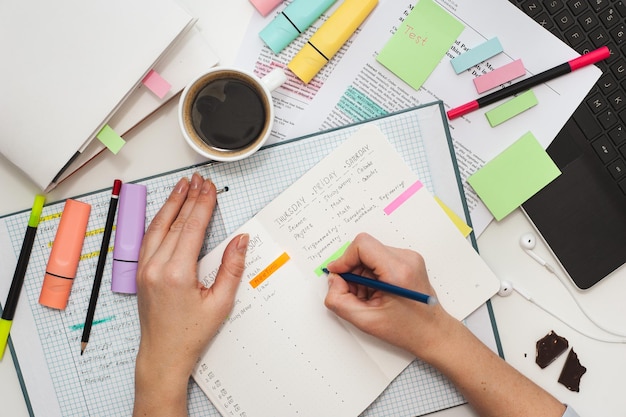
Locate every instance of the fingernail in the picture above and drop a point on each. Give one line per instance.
(206, 186)
(242, 244)
(196, 180)
(181, 187)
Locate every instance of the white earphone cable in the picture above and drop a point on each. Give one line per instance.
(527, 241)
(596, 338)
(583, 310)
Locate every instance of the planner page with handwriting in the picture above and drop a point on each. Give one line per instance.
(281, 352)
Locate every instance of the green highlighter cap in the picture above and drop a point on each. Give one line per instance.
(35, 213)
(5, 328)
(291, 22)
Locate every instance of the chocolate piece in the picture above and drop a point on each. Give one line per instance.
(572, 372)
(550, 347)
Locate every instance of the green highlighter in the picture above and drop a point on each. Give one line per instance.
(20, 271)
(292, 22)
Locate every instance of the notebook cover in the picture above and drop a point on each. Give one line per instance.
(67, 66)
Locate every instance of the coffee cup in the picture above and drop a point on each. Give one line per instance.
(227, 114)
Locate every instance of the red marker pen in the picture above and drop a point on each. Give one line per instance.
(576, 63)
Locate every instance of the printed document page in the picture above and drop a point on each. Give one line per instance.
(353, 86)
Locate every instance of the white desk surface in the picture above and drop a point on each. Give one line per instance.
(520, 322)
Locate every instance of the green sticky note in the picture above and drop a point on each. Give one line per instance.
(420, 43)
(511, 108)
(515, 175)
(110, 139)
(318, 271)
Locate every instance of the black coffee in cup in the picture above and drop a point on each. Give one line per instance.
(228, 111)
(227, 114)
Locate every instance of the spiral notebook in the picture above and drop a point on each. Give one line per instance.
(45, 344)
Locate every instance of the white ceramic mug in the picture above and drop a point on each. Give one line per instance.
(227, 114)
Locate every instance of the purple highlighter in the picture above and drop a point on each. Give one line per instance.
(131, 224)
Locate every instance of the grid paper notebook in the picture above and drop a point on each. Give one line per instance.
(58, 381)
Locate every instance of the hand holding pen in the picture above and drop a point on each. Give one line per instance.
(403, 322)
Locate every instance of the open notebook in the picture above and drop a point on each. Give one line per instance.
(67, 66)
(281, 352)
(45, 344)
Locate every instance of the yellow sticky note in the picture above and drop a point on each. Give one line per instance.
(513, 176)
(111, 139)
(458, 222)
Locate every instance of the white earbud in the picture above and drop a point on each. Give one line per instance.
(507, 288)
(528, 242)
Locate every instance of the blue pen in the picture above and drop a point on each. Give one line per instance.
(291, 22)
(390, 288)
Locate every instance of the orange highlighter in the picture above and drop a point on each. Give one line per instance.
(65, 254)
(330, 37)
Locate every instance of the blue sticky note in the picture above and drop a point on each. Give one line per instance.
(476, 55)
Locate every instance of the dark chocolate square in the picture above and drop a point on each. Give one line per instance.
(572, 372)
(550, 347)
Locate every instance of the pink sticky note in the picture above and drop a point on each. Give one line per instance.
(156, 84)
(265, 6)
(406, 194)
(499, 76)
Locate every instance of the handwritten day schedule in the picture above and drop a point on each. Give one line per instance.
(281, 352)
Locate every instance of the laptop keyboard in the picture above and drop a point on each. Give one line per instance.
(586, 25)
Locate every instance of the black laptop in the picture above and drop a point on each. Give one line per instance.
(582, 214)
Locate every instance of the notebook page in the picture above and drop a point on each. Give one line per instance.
(280, 337)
